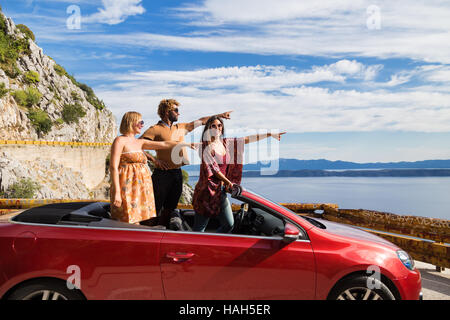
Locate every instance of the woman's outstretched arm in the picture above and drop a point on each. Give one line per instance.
(160, 145)
(257, 137)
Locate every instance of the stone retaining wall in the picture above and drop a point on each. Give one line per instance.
(86, 158)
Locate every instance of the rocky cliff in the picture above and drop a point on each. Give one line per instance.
(40, 100)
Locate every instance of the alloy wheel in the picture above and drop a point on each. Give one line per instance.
(45, 295)
(359, 294)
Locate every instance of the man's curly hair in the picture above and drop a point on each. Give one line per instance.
(166, 105)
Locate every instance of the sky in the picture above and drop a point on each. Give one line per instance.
(361, 81)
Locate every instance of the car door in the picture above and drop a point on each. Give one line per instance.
(223, 266)
(112, 263)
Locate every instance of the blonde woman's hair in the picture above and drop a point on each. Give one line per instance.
(129, 120)
(166, 105)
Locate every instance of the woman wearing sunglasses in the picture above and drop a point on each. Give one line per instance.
(221, 167)
(132, 198)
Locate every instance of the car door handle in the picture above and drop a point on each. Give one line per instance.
(180, 256)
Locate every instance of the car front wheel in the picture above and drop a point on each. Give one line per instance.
(357, 288)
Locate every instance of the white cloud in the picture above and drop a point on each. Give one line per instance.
(353, 68)
(115, 11)
(274, 97)
(401, 14)
(274, 79)
(258, 11)
(323, 43)
(258, 78)
(439, 74)
(324, 28)
(396, 80)
(433, 78)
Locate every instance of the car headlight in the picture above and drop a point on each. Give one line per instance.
(405, 259)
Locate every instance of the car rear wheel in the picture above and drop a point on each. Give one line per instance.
(357, 288)
(45, 290)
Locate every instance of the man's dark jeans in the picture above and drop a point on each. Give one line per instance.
(167, 187)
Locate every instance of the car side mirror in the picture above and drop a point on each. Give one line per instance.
(291, 233)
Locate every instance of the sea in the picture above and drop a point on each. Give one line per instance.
(415, 196)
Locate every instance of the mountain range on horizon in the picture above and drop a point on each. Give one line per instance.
(323, 164)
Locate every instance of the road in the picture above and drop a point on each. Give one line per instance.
(435, 285)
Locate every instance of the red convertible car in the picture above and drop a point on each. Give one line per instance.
(75, 251)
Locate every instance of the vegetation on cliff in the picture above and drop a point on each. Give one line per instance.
(25, 30)
(28, 97)
(31, 77)
(25, 188)
(36, 87)
(72, 113)
(40, 120)
(11, 49)
(39, 99)
(90, 95)
(3, 90)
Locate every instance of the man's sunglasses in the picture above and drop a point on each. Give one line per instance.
(175, 109)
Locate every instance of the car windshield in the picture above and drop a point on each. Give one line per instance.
(309, 219)
(269, 200)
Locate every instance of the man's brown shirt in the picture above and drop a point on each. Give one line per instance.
(162, 132)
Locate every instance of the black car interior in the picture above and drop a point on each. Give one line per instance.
(249, 220)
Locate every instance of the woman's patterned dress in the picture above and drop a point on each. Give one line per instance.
(136, 189)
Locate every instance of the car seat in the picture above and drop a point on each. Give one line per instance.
(177, 223)
(97, 209)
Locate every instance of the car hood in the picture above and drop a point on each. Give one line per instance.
(353, 232)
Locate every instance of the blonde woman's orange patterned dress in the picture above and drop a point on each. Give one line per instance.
(136, 189)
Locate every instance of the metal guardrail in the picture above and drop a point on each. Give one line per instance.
(420, 227)
(55, 143)
(14, 204)
(7, 211)
(296, 207)
(425, 239)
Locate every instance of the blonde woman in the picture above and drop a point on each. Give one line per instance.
(132, 198)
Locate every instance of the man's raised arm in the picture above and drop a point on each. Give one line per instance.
(202, 121)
